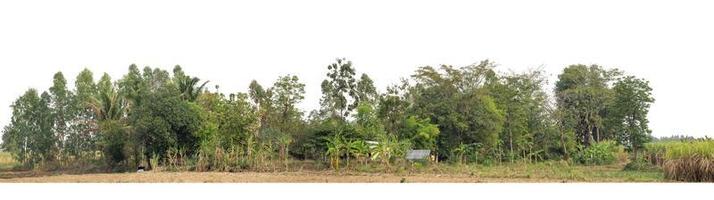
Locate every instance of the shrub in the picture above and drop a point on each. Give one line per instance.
(640, 165)
(600, 153)
(113, 143)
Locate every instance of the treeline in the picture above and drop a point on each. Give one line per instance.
(469, 114)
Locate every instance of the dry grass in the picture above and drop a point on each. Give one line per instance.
(691, 161)
(6, 161)
(690, 169)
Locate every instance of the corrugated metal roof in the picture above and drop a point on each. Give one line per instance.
(418, 154)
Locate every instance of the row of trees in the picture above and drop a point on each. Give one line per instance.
(463, 114)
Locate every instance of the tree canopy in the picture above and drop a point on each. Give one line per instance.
(470, 113)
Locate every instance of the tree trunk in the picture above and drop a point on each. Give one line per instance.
(148, 163)
(510, 137)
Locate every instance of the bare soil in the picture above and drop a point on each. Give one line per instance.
(253, 177)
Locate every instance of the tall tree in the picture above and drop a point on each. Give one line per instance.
(628, 113)
(29, 135)
(187, 85)
(528, 130)
(458, 102)
(288, 92)
(108, 104)
(366, 92)
(81, 138)
(582, 94)
(263, 101)
(393, 106)
(132, 86)
(339, 96)
(63, 108)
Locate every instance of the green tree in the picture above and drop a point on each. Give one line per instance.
(287, 93)
(422, 132)
(582, 94)
(528, 129)
(457, 100)
(393, 106)
(108, 104)
(81, 140)
(339, 96)
(188, 86)
(132, 86)
(29, 135)
(64, 110)
(368, 124)
(628, 113)
(262, 99)
(366, 92)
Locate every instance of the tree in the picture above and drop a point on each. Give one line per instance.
(262, 100)
(368, 124)
(628, 119)
(165, 121)
(484, 121)
(339, 96)
(132, 86)
(422, 133)
(393, 106)
(366, 92)
(288, 92)
(582, 94)
(114, 142)
(528, 130)
(29, 135)
(134, 89)
(188, 86)
(81, 140)
(458, 102)
(64, 110)
(107, 104)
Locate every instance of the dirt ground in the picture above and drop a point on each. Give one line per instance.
(252, 177)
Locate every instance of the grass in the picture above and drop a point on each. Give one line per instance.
(7, 162)
(689, 161)
(550, 171)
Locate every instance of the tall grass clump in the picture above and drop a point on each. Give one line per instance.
(654, 152)
(690, 161)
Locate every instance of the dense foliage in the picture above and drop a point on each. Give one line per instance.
(463, 114)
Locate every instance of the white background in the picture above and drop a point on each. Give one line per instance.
(232, 42)
(486, 191)
(228, 42)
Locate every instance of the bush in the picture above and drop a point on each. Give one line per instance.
(113, 144)
(640, 165)
(600, 153)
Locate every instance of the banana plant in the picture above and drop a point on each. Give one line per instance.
(460, 152)
(359, 149)
(335, 149)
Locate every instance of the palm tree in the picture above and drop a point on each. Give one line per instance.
(189, 88)
(108, 105)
